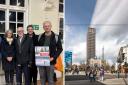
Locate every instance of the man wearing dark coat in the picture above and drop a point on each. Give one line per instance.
(48, 38)
(24, 49)
(33, 68)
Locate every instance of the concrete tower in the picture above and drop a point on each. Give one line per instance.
(91, 43)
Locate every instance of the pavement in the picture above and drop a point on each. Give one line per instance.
(109, 79)
(58, 82)
(116, 81)
(2, 79)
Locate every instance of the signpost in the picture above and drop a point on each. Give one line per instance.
(35, 27)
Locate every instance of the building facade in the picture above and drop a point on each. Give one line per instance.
(122, 59)
(95, 62)
(123, 55)
(125, 51)
(16, 13)
(91, 43)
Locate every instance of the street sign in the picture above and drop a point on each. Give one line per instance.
(35, 27)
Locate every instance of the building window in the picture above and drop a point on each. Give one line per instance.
(61, 23)
(20, 16)
(2, 1)
(13, 2)
(2, 25)
(16, 19)
(20, 24)
(12, 26)
(12, 16)
(21, 3)
(61, 1)
(61, 6)
(17, 3)
(2, 21)
(61, 28)
(2, 15)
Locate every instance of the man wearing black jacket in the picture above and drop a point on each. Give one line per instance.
(24, 49)
(33, 68)
(55, 49)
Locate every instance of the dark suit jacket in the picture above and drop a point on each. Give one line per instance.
(24, 50)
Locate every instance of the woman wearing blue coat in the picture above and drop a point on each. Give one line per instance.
(8, 56)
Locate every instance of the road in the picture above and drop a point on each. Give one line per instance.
(110, 79)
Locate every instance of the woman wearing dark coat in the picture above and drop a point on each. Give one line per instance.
(8, 56)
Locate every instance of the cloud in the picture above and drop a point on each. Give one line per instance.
(74, 34)
(111, 43)
(75, 41)
(110, 12)
(111, 22)
(68, 34)
(80, 51)
(110, 19)
(110, 61)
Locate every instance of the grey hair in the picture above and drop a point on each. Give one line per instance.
(47, 22)
(6, 32)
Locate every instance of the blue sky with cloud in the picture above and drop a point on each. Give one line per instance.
(109, 17)
(78, 14)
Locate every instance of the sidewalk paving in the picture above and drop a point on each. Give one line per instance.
(120, 81)
(2, 81)
(116, 81)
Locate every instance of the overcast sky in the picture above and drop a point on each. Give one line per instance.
(108, 17)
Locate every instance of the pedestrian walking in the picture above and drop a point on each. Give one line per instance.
(102, 74)
(94, 75)
(91, 76)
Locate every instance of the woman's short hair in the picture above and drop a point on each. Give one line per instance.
(6, 32)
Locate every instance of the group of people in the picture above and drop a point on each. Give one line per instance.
(75, 70)
(18, 55)
(91, 74)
